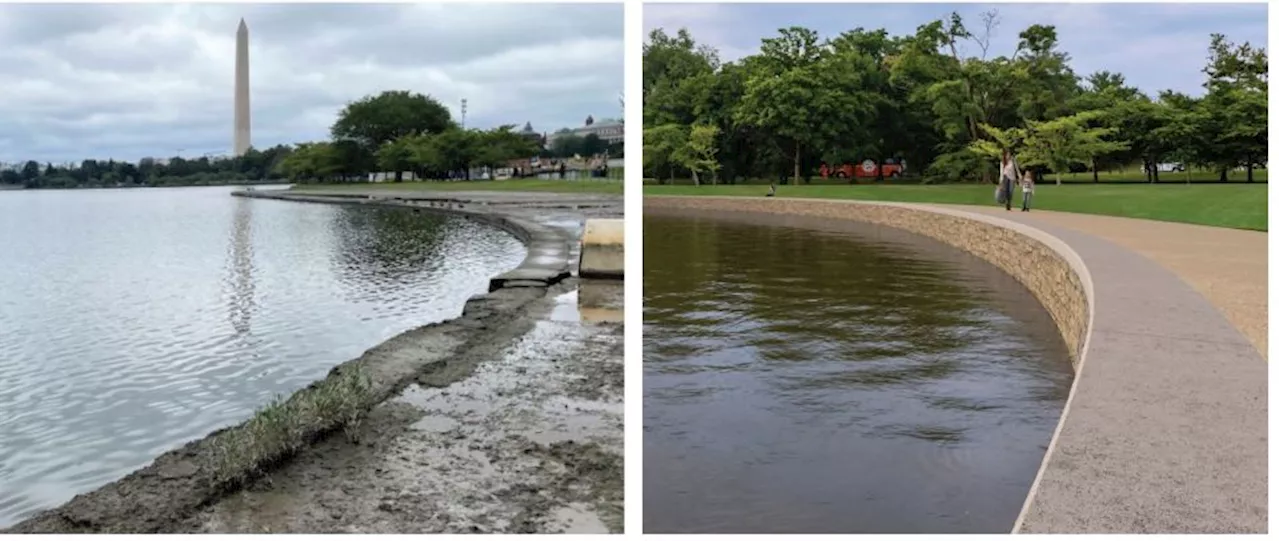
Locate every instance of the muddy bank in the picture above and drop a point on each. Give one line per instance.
(522, 434)
(176, 491)
(178, 483)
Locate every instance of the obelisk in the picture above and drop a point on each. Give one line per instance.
(240, 144)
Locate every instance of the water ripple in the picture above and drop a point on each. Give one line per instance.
(846, 380)
(156, 316)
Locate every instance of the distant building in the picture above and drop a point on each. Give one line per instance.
(534, 136)
(609, 130)
(385, 176)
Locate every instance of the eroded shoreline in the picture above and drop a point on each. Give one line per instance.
(168, 494)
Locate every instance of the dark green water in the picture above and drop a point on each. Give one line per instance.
(809, 376)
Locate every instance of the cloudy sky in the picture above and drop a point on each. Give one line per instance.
(132, 80)
(1155, 46)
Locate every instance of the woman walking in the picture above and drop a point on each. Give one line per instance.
(1008, 176)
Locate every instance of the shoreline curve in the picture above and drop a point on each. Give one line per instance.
(991, 239)
(546, 259)
(157, 497)
(1165, 432)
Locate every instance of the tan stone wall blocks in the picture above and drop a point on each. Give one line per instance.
(1053, 274)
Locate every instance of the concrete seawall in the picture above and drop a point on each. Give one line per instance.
(1164, 430)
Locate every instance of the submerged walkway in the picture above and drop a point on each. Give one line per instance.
(1166, 427)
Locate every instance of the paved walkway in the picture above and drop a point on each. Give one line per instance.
(1166, 430)
(1227, 266)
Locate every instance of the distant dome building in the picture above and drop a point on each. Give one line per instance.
(531, 135)
(609, 130)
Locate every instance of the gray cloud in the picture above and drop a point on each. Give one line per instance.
(134, 80)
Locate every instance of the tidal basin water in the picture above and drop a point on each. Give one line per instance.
(836, 377)
(133, 321)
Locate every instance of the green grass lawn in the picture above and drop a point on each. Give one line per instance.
(1137, 175)
(596, 185)
(1242, 206)
(1129, 175)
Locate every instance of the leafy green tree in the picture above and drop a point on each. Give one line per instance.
(30, 171)
(10, 176)
(698, 154)
(1065, 141)
(660, 146)
(456, 150)
(670, 66)
(818, 101)
(498, 146)
(940, 98)
(395, 156)
(1237, 101)
(998, 141)
(593, 145)
(376, 120)
(567, 146)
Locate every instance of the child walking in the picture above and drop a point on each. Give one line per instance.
(1028, 189)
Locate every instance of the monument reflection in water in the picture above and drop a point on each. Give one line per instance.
(852, 380)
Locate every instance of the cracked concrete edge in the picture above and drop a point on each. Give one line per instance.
(546, 262)
(180, 480)
(950, 235)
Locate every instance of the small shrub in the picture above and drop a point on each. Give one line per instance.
(283, 426)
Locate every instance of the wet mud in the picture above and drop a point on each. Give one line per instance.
(520, 435)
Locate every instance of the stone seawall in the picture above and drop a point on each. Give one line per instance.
(1047, 267)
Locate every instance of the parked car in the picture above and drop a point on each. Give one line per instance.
(891, 168)
(1169, 167)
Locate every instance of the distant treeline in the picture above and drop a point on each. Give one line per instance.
(395, 131)
(803, 100)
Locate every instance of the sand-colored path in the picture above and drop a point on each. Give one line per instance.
(1227, 266)
(1166, 428)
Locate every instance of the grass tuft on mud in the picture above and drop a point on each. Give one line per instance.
(282, 427)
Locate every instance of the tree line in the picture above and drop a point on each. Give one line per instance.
(802, 100)
(394, 131)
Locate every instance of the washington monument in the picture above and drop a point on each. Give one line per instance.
(240, 145)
